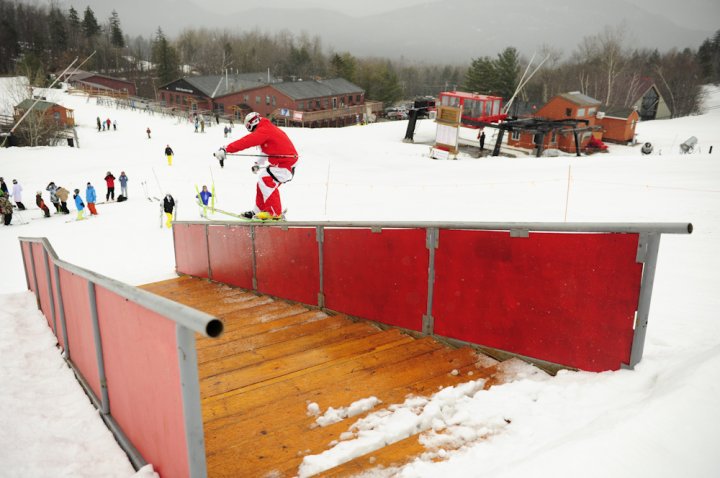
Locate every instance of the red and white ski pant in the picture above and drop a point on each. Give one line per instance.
(267, 197)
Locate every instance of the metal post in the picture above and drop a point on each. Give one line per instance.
(207, 246)
(320, 236)
(577, 143)
(192, 411)
(61, 306)
(254, 258)
(105, 409)
(34, 273)
(50, 291)
(648, 246)
(431, 242)
(25, 264)
(498, 143)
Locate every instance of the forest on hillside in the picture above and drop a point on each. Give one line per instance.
(37, 41)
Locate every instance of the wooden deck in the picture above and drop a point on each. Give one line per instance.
(276, 357)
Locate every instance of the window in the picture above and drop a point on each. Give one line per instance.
(257, 100)
(267, 99)
(220, 108)
(357, 99)
(325, 103)
(591, 111)
(246, 99)
(334, 103)
(568, 111)
(515, 135)
(274, 102)
(581, 112)
(317, 104)
(301, 105)
(553, 138)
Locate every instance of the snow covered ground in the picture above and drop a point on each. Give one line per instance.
(660, 420)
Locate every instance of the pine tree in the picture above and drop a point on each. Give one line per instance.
(116, 35)
(90, 26)
(480, 77)
(165, 58)
(343, 66)
(507, 68)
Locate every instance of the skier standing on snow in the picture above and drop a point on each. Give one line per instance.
(91, 198)
(168, 208)
(62, 195)
(110, 182)
(123, 183)
(41, 203)
(53, 197)
(17, 195)
(79, 205)
(281, 156)
(169, 153)
(6, 208)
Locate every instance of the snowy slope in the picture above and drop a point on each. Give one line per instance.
(658, 420)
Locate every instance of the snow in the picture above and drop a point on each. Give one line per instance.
(659, 420)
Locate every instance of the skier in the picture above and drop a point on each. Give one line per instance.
(53, 197)
(148, 132)
(79, 205)
(168, 207)
(281, 155)
(110, 182)
(41, 204)
(62, 195)
(204, 198)
(3, 186)
(123, 183)
(91, 197)
(17, 195)
(6, 208)
(169, 154)
(204, 195)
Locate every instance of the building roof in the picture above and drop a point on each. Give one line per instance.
(579, 98)
(81, 76)
(621, 113)
(42, 105)
(300, 90)
(214, 86)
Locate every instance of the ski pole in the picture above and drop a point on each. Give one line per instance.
(264, 155)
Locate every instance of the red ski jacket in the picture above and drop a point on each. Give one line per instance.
(272, 141)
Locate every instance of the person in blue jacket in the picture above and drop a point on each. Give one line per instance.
(204, 197)
(91, 198)
(79, 205)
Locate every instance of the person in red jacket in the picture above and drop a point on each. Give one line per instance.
(281, 156)
(110, 181)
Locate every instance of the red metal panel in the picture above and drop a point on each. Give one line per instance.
(191, 254)
(78, 321)
(287, 263)
(231, 255)
(564, 298)
(143, 380)
(42, 282)
(377, 276)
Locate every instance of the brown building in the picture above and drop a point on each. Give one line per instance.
(101, 84)
(61, 115)
(574, 109)
(618, 126)
(313, 103)
(200, 93)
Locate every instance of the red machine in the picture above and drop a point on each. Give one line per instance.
(476, 109)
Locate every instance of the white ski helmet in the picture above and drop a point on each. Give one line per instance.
(252, 120)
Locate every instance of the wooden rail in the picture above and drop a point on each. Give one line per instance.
(276, 357)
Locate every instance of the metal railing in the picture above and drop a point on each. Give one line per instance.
(49, 277)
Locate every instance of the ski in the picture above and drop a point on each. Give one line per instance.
(254, 219)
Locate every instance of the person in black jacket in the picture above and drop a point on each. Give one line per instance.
(169, 154)
(168, 207)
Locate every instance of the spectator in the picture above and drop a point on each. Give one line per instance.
(91, 198)
(110, 182)
(17, 195)
(123, 184)
(41, 204)
(6, 208)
